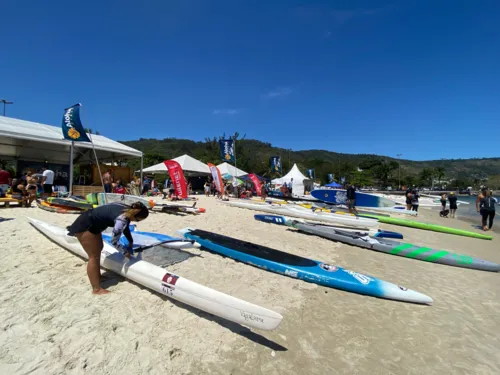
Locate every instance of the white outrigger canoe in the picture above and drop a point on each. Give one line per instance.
(167, 283)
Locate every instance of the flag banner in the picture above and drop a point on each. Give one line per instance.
(331, 177)
(342, 180)
(310, 174)
(217, 178)
(227, 150)
(177, 177)
(256, 183)
(275, 164)
(72, 127)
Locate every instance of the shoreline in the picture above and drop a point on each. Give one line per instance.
(475, 223)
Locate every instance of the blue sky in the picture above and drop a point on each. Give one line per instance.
(413, 77)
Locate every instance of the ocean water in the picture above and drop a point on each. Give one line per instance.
(469, 210)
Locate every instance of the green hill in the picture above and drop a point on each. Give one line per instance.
(253, 156)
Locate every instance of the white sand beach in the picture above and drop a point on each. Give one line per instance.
(52, 324)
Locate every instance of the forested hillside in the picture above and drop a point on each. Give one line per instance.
(253, 156)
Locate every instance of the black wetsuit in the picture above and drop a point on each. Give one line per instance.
(488, 210)
(351, 196)
(453, 202)
(97, 220)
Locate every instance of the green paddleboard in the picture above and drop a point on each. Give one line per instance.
(426, 226)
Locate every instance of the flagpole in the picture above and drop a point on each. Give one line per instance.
(71, 168)
(97, 161)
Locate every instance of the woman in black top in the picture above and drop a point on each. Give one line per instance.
(453, 204)
(443, 201)
(487, 209)
(89, 226)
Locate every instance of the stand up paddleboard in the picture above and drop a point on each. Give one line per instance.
(340, 197)
(302, 268)
(169, 284)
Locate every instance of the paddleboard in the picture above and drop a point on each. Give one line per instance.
(302, 268)
(388, 246)
(58, 209)
(426, 226)
(168, 283)
(105, 198)
(303, 213)
(340, 197)
(69, 202)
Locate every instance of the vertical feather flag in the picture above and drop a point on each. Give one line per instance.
(256, 183)
(331, 177)
(310, 174)
(177, 177)
(217, 177)
(72, 127)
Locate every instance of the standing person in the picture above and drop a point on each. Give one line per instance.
(146, 185)
(31, 188)
(408, 199)
(5, 181)
(351, 199)
(107, 181)
(487, 209)
(263, 191)
(443, 201)
(206, 187)
(47, 182)
(414, 200)
(88, 227)
(481, 195)
(453, 204)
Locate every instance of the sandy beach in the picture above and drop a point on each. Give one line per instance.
(52, 324)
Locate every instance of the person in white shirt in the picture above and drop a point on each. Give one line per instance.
(47, 182)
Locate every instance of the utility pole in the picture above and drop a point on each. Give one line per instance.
(399, 171)
(4, 103)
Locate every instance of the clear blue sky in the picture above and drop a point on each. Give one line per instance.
(413, 77)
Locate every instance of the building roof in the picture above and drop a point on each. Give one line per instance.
(34, 141)
(187, 163)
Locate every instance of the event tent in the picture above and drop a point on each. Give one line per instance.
(298, 180)
(26, 140)
(189, 165)
(226, 168)
(333, 184)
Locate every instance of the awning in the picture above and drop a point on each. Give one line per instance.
(26, 140)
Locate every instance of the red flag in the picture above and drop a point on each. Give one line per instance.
(256, 183)
(177, 176)
(217, 177)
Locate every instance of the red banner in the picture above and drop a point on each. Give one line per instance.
(217, 177)
(256, 183)
(177, 176)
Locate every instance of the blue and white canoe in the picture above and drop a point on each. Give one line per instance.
(302, 268)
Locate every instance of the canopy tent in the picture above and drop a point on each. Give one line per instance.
(20, 139)
(333, 184)
(298, 180)
(189, 165)
(226, 168)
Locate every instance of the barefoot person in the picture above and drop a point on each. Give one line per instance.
(453, 204)
(89, 226)
(487, 208)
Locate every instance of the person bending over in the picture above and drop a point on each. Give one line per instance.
(88, 228)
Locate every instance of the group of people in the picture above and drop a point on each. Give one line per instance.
(412, 197)
(26, 187)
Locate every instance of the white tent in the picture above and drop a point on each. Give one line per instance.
(298, 180)
(187, 163)
(230, 169)
(33, 141)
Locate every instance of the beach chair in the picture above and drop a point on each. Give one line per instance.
(61, 191)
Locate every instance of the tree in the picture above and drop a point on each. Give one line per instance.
(384, 170)
(361, 179)
(426, 175)
(439, 172)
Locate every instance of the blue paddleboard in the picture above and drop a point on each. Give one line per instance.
(340, 197)
(302, 268)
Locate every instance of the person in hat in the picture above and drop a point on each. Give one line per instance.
(88, 228)
(452, 198)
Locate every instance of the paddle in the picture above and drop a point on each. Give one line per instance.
(142, 248)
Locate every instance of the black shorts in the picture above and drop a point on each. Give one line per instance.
(85, 222)
(47, 188)
(408, 201)
(453, 207)
(351, 203)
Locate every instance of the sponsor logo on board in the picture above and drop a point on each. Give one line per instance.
(329, 267)
(363, 279)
